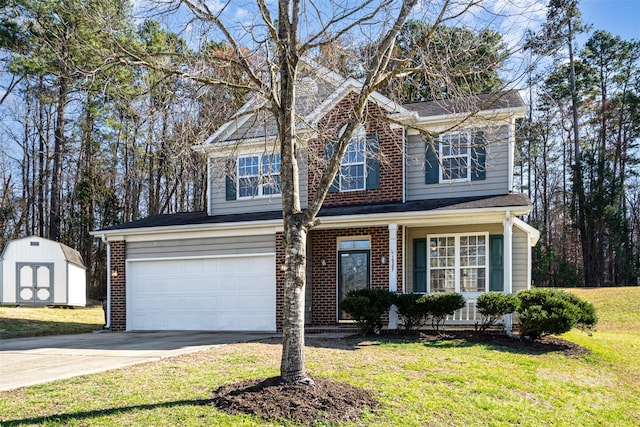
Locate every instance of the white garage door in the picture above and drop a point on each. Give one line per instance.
(221, 294)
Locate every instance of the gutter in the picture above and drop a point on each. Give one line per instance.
(446, 216)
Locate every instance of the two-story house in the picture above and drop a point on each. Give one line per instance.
(424, 203)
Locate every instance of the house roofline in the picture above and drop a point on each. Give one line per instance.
(436, 217)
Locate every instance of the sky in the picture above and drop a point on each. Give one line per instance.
(619, 17)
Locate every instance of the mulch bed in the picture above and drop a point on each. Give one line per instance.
(335, 402)
(271, 399)
(546, 344)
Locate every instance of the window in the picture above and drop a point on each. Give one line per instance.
(352, 170)
(360, 166)
(354, 243)
(259, 175)
(462, 158)
(455, 154)
(457, 263)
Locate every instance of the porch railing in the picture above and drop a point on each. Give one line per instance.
(467, 315)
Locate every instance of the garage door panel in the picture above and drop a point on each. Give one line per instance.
(210, 294)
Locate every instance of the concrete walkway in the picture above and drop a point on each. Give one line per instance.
(28, 361)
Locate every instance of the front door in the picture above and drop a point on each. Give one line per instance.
(35, 283)
(353, 273)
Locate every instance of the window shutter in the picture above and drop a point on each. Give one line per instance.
(373, 162)
(496, 263)
(478, 157)
(420, 265)
(431, 165)
(230, 181)
(328, 151)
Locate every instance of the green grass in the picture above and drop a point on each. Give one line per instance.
(441, 383)
(20, 322)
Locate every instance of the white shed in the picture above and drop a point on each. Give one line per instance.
(37, 271)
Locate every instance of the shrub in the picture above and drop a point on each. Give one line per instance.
(552, 311)
(413, 311)
(367, 306)
(441, 305)
(492, 306)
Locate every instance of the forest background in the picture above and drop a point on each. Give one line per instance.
(91, 137)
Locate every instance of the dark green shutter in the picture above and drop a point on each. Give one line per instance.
(478, 157)
(431, 165)
(373, 162)
(420, 265)
(230, 180)
(496, 263)
(328, 154)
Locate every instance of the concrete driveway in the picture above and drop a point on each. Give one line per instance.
(28, 361)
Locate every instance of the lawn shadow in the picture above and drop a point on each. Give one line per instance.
(26, 328)
(85, 415)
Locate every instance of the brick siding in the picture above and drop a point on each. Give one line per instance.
(390, 155)
(324, 277)
(118, 286)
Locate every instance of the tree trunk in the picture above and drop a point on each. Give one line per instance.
(59, 145)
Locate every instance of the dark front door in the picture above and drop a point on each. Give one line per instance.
(353, 273)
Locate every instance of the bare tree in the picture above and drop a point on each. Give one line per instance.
(266, 57)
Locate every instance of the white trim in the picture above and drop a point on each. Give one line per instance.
(508, 264)
(442, 179)
(511, 153)
(534, 234)
(178, 258)
(457, 267)
(393, 272)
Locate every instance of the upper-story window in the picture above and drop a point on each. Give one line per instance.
(360, 167)
(258, 175)
(353, 169)
(455, 155)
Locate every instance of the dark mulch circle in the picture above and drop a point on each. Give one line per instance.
(271, 399)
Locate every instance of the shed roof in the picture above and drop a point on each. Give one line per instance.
(71, 255)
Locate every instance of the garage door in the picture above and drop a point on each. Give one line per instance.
(221, 294)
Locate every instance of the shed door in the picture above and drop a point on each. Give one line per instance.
(35, 283)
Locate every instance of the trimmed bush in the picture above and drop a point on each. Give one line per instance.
(492, 306)
(413, 312)
(441, 305)
(367, 306)
(544, 311)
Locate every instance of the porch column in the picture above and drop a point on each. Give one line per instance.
(507, 223)
(393, 272)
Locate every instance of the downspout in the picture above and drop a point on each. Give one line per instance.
(108, 311)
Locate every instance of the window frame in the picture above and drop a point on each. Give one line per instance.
(359, 136)
(457, 258)
(445, 141)
(263, 178)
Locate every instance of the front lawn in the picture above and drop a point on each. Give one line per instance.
(436, 383)
(20, 322)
